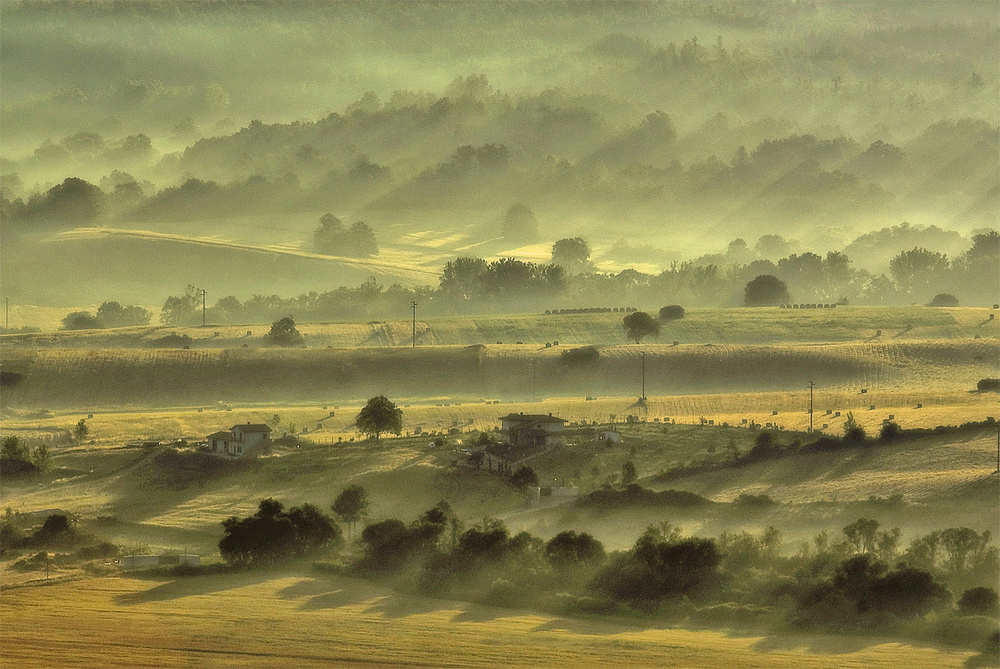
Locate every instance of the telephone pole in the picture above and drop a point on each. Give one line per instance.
(811, 386)
(534, 391)
(413, 305)
(204, 298)
(6, 313)
(644, 375)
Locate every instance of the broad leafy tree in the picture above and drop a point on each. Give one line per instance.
(283, 333)
(765, 290)
(350, 505)
(638, 324)
(380, 415)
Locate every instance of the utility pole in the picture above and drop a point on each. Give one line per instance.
(6, 313)
(413, 305)
(204, 298)
(644, 375)
(534, 392)
(811, 385)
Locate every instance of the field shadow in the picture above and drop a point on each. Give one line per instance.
(834, 644)
(194, 585)
(321, 594)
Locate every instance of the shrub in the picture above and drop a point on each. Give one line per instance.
(671, 312)
(890, 432)
(283, 333)
(979, 602)
(655, 569)
(943, 300)
(987, 384)
(272, 534)
(580, 357)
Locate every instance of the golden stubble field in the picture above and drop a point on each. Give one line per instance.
(308, 620)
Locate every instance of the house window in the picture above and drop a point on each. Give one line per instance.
(239, 450)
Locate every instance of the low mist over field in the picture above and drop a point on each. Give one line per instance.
(475, 333)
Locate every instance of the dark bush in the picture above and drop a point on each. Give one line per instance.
(861, 587)
(890, 432)
(389, 545)
(671, 312)
(636, 496)
(272, 534)
(944, 300)
(579, 357)
(985, 385)
(655, 569)
(979, 602)
(569, 549)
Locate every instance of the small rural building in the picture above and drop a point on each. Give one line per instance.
(240, 441)
(608, 436)
(526, 429)
(139, 561)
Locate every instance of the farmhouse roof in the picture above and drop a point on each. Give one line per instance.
(255, 427)
(227, 436)
(532, 418)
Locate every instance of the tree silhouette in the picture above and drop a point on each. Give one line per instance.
(283, 333)
(378, 416)
(765, 290)
(638, 324)
(350, 505)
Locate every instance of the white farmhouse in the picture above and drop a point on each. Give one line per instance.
(525, 429)
(240, 441)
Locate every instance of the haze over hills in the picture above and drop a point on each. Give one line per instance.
(817, 122)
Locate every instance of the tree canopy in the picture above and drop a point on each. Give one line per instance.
(638, 324)
(378, 416)
(765, 290)
(283, 333)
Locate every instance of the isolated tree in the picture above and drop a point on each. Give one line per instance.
(350, 505)
(283, 333)
(638, 324)
(378, 416)
(519, 224)
(81, 430)
(572, 253)
(765, 290)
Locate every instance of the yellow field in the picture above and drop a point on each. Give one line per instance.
(305, 620)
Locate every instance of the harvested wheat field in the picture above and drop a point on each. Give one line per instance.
(267, 620)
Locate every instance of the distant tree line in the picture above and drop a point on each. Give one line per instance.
(469, 284)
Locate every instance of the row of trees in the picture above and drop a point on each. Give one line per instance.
(109, 315)
(474, 284)
(838, 584)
